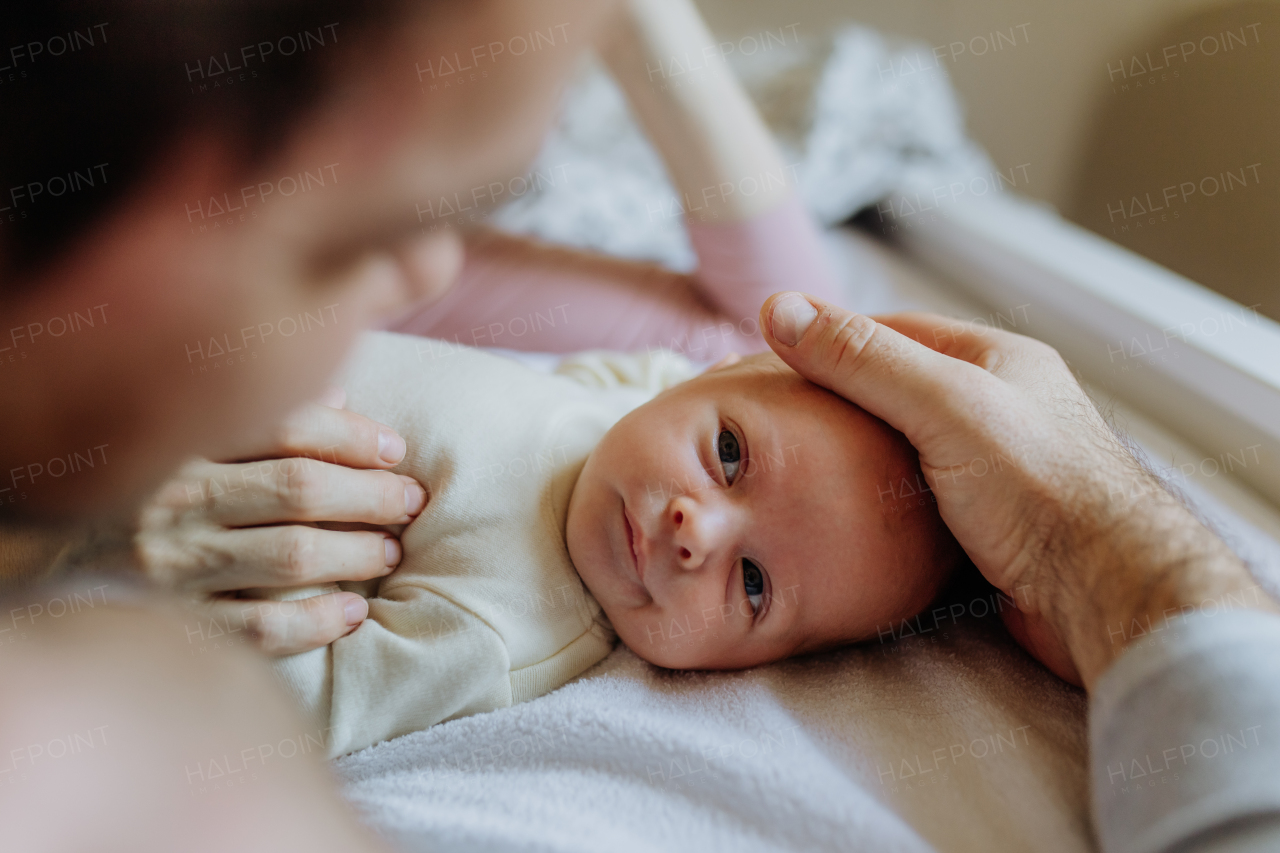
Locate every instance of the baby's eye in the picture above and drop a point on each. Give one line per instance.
(753, 584)
(730, 455)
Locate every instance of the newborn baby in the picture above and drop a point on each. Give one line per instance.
(736, 518)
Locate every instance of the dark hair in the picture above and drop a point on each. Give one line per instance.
(92, 94)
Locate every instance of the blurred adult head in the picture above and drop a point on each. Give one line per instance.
(201, 204)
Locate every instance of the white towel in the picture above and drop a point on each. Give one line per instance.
(950, 739)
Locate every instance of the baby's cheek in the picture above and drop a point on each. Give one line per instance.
(645, 633)
(679, 640)
(891, 597)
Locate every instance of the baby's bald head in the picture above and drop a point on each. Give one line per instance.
(767, 513)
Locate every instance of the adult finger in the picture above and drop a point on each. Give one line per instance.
(949, 336)
(895, 378)
(1023, 363)
(299, 490)
(333, 435)
(287, 555)
(1017, 359)
(282, 627)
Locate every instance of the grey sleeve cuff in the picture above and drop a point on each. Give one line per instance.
(1185, 731)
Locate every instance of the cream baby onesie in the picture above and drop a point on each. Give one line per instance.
(485, 608)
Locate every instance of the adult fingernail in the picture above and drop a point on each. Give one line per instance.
(392, 548)
(415, 498)
(391, 447)
(791, 316)
(355, 610)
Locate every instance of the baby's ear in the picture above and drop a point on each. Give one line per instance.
(729, 360)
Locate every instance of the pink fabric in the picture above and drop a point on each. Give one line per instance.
(531, 296)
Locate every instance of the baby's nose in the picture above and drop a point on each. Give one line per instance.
(695, 530)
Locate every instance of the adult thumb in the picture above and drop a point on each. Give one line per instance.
(900, 381)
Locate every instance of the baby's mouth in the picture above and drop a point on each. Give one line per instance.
(636, 562)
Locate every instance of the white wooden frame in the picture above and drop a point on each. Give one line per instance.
(1199, 364)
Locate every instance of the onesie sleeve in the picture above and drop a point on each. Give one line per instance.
(419, 659)
(740, 264)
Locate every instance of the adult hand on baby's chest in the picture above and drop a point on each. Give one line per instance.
(302, 514)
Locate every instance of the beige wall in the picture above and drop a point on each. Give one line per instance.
(1056, 101)
(1027, 104)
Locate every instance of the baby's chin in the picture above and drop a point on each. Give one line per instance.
(605, 583)
(652, 643)
(693, 659)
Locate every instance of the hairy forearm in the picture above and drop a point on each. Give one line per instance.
(1133, 562)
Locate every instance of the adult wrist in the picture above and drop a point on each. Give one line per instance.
(1136, 564)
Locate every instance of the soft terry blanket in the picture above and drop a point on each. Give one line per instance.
(944, 735)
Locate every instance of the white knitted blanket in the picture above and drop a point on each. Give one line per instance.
(854, 134)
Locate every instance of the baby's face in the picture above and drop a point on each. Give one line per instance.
(747, 515)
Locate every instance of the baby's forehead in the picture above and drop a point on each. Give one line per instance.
(763, 361)
(765, 379)
(790, 405)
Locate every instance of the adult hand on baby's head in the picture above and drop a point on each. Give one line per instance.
(216, 528)
(965, 414)
(1025, 472)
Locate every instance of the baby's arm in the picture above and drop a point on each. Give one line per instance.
(517, 294)
(520, 294)
(752, 234)
(416, 661)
